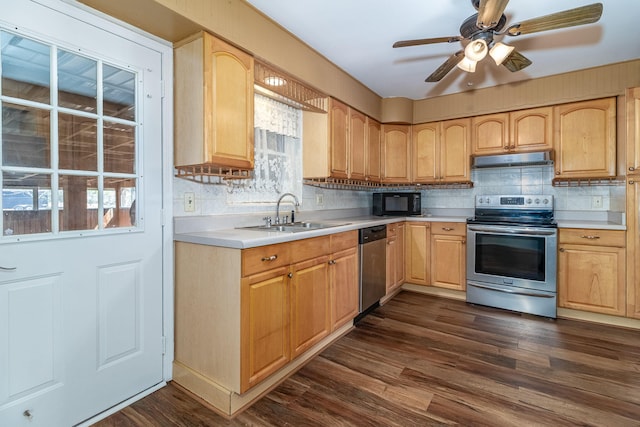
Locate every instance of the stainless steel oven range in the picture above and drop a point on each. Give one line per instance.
(511, 254)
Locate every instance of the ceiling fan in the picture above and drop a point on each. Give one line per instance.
(480, 28)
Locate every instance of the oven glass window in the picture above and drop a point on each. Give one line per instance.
(397, 204)
(510, 256)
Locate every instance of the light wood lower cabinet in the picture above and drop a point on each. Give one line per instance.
(243, 315)
(591, 270)
(448, 255)
(395, 256)
(418, 244)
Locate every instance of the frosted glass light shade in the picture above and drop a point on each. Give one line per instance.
(500, 51)
(467, 65)
(476, 50)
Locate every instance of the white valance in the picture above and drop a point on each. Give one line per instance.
(276, 117)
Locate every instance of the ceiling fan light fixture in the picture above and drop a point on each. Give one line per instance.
(500, 51)
(476, 50)
(467, 65)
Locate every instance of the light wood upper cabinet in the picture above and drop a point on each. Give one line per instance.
(357, 145)
(339, 119)
(396, 153)
(213, 104)
(585, 139)
(633, 131)
(373, 141)
(448, 255)
(591, 270)
(441, 151)
(516, 131)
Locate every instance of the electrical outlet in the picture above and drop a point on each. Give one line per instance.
(596, 202)
(319, 199)
(189, 202)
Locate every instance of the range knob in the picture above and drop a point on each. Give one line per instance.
(545, 201)
(537, 201)
(528, 201)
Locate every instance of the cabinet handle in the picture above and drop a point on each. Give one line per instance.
(631, 168)
(506, 147)
(8, 268)
(557, 172)
(290, 275)
(390, 242)
(270, 258)
(590, 237)
(332, 261)
(631, 182)
(447, 228)
(561, 250)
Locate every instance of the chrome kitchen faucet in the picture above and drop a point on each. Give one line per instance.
(297, 203)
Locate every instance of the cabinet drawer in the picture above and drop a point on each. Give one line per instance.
(301, 250)
(586, 236)
(263, 258)
(449, 228)
(346, 240)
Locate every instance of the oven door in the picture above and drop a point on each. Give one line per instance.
(512, 256)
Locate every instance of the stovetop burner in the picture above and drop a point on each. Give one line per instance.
(514, 210)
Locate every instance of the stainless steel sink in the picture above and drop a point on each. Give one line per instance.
(295, 227)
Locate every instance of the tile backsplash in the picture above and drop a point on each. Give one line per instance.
(214, 200)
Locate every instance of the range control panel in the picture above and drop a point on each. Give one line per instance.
(529, 201)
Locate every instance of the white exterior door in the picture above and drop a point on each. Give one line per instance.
(81, 264)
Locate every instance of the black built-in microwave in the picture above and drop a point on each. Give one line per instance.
(396, 203)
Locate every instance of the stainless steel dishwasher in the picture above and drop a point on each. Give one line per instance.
(373, 266)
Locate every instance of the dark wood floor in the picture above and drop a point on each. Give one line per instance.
(421, 360)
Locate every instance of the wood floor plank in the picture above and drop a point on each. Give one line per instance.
(421, 360)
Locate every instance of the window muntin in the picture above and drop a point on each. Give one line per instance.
(69, 160)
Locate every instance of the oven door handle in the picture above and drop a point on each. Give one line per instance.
(511, 291)
(502, 230)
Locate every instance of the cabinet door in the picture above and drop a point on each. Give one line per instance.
(426, 154)
(228, 104)
(357, 130)
(490, 134)
(448, 261)
(343, 271)
(391, 259)
(339, 133)
(585, 139)
(633, 203)
(591, 278)
(264, 325)
(417, 255)
(373, 150)
(454, 150)
(396, 153)
(400, 254)
(310, 315)
(531, 130)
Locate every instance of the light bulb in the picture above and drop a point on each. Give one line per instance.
(476, 50)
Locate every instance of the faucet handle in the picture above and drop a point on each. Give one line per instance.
(285, 219)
(267, 221)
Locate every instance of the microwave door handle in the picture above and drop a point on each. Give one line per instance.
(507, 231)
(511, 291)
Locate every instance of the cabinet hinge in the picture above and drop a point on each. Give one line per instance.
(164, 345)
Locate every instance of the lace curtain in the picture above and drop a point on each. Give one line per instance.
(278, 154)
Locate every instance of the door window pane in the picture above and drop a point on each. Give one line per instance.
(24, 210)
(78, 143)
(25, 68)
(76, 214)
(25, 136)
(119, 93)
(77, 82)
(119, 204)
(119, 147)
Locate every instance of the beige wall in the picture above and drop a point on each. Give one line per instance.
(242, 25)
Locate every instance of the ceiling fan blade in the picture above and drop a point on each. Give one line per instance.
(568, 18)
(516, 61)
(490, 12)
(405, 43)
(448, 65)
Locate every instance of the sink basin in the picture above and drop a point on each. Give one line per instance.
(295, 227)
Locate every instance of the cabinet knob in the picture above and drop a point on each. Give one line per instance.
(270, 258)
(557, 172)
(506, 148)
(631, 182)
(561, 250)
(631, 168)
(290, 275)
(332, 261)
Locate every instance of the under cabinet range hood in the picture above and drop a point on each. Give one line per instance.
(519, 159)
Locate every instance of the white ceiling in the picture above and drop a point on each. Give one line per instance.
(357, 36)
